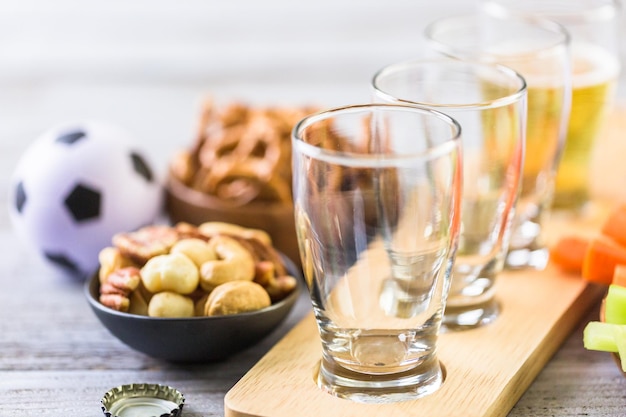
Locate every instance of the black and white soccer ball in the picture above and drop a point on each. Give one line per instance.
(75, 187)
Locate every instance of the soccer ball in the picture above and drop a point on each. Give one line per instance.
(75, 187)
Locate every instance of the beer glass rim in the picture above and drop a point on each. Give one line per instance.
(505, 100)
(571, 10)
(435, 151)
(563, 36)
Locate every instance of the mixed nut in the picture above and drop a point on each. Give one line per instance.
(185, 270)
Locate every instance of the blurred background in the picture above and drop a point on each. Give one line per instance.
(147, 64)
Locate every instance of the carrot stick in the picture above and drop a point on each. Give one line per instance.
(569, 252)
(614, 225)
(619, 276)
(601, 257)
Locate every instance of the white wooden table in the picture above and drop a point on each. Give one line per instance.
(146, 65)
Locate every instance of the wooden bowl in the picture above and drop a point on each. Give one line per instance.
(184, 204)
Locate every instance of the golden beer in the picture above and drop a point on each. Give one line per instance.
(544, 71)
(595, 73)
(545, 112)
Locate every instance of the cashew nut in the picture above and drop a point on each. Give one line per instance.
(197, 250)
(281, 287)
(216, 228)
(171, 272)
(234, 263)
(236, 297)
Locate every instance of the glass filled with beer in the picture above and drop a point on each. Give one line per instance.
(593, 27)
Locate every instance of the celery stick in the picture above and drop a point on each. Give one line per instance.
(600, 336)
(615, 305)
(620, 340)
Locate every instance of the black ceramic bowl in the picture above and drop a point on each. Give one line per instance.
(194, 339)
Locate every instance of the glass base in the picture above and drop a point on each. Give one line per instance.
(418, 382)
(470, 317)
(527, 258)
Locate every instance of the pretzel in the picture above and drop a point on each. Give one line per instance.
(243, 161)
(336, 177)
(241, 154)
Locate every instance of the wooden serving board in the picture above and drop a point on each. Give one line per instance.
(488, 369)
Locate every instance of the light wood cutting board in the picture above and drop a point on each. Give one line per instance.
(488, 369)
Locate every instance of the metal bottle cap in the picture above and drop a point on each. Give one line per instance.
(142, 400)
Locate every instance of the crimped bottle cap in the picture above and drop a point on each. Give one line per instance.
(135, 400)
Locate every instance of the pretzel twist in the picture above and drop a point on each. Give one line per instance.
(241, 154)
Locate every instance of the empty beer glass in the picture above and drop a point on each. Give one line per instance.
(489, 102)
(376, 193)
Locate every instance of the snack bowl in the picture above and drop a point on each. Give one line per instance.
(184, 204)
(193, 339)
